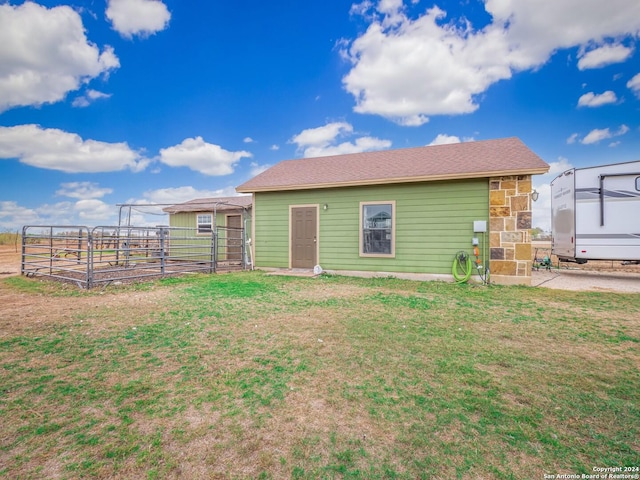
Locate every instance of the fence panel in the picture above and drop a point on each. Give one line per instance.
(107, 254)
(61, 252)
(230, 251)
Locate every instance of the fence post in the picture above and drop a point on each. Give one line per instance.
(51, 250)
(80, 245)
(24, 250)
(243, 251)
(89, 258)
(214, 250)
(162, 258)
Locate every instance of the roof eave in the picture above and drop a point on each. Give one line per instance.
(385, 181)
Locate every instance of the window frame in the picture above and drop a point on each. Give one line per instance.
(638, 183)
(362, 229)
(200, 230)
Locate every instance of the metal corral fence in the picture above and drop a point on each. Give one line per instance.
(102, 255)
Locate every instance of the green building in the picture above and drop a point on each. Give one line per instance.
(400, 212)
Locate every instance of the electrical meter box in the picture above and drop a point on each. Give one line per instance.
(479, 226)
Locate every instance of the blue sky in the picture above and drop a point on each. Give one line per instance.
(148, 101)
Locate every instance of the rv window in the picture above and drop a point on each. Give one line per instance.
(377, 229)
(638, 183)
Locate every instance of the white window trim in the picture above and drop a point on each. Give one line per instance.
(393, 230)
(198, 232)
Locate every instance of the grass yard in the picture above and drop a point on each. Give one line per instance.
(247, 375)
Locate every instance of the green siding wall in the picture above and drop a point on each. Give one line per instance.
(434, 220)
(189, 220)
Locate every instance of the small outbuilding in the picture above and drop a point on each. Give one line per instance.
(402, 212)
(205, 214)
(224, 220)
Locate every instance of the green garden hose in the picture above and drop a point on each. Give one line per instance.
(461, 268)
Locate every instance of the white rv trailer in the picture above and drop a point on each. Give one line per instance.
(596, 213)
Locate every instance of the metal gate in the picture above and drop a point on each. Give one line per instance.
(107, 254)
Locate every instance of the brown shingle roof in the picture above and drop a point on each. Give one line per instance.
(209, 204)
(508, 156)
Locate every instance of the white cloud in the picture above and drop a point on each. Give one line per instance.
(421, 68)
(248, 140)
(634, 84)
(44, 54)
(603, 56)
(88, 98)
(363, 144)
(597, 135)
(572, 139)
(94, 211)
(14, 216)
(138, 17)
(541, 209)
(202, 157)
(89, 212)
(171, 196)
(321, 141)
(591, 99)
(257, 169)
(82, 190)
(561, 166)
(55, 149)
(274, 148)
(321, 135)
(147, 211)
(443, 139)
(407, 69)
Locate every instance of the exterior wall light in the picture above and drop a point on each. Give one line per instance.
(534, 195)
(325, 206)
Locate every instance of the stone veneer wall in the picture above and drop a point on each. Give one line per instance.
(510, 229)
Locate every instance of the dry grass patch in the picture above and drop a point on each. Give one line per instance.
(254, 376)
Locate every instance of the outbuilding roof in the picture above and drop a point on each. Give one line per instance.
(210, 204)
(489, 158)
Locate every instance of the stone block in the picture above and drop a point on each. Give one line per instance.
(511, 237)
(508, 184)
(497, 197)
(524, 220)
(496, 224)
(494, 185)
(497, 254)
(510, 224)
(523, 251)
(503, 267)
(520, 203)
(509, 253)
(494, 239)
(499, 211)
(524, 186)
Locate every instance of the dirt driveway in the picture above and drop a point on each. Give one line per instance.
(587, 280)
(598, 276)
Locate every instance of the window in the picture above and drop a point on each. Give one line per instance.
(377, 234)
(205, 224)
(638, 183)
